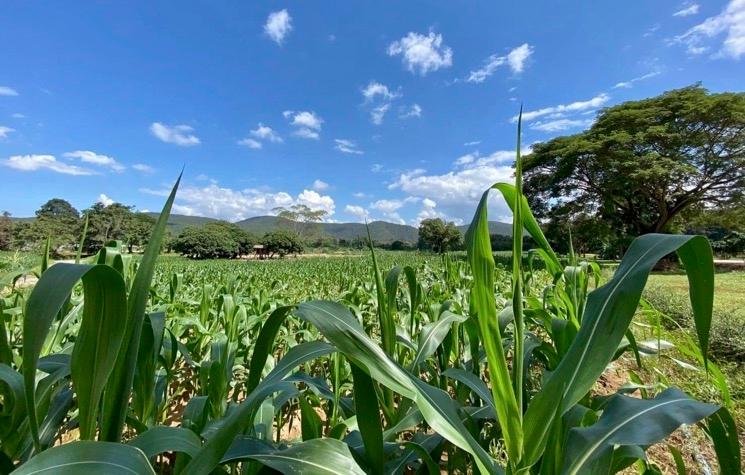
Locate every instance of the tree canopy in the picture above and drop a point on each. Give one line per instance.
(438, 235)
(220, 239)
(282, 242)
(642, 163)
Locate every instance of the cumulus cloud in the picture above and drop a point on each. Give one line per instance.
(307, 124)
(30, 163)
(94, 158)
(347, 146)
(176, 134)
(577, 106)
(320, 185)
(422, 54)
(730, 23)
(278, 25)
(105, 200)
(7, 91)
(414, 110)
(688, 11)
(220, 202)
(375, 89)
(515, 59)
(250, 143)
(357, 211)
(4, 131)
(455, 194)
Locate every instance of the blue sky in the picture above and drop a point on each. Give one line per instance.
(367, 109)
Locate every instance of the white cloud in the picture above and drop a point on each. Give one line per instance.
(415, 110)
(220, 202)
(456, 193)
(264, 132)
(519, 56)
(560, 124)
(347, 146)
(105, 200)
(730, 22)
(357, 211)
(422, 54)
(306, 133)
(308, 124)
(387, 206)
(377, 114)
(4, 131)
(250, 143)
(7, 91)
(176, 134)
(375, 89)
(94, 158)
(515, 59)
(320, 185)
(376, 167)
(30, 163)
(631, 82)
(278, 26)
(577, 106)
(360, 195)
(141, 167)
(472, 143)
(687, 11)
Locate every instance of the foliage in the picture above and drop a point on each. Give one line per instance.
(116, 222)
(642, 163)
(282, 242)
(213, 240)
(438, 235)
(6, 231)
(302, 218)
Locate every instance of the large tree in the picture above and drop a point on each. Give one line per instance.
(438, 235)
(57, 220)
(642, 163)
(302, 219)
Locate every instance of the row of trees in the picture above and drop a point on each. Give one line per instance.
(224, 240)
(63, 225)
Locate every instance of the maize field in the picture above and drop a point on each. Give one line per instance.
(386, 364)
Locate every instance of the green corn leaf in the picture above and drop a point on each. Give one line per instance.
(473, 382)
(478, 245)
(367, 411)
(117, 394)
(264, 345)
(440, 411)
(629, 421)
(46, 300)
(722, 430)
(162, 439)
(317, 456)
(310, 422)
(98, 342)
(432, 334)
(608, 313)
(238, 419)
(87, 456)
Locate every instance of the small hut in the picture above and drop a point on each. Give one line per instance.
(260, 251)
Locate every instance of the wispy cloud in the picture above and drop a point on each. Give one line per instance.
(414, 110)
(94, 158)
(320, 185)
(31, 163)
(730, 23)
(7, 91)
(180, 135)
(375, 89)
(141, 167)
(631, 82)
(422, 54)
(4, 131)
(307, 123)
(560, 124)
(515, 59)
(347, 146)
(688, 11)
(577, 106)
(278, 25)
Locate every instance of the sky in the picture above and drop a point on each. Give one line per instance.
(366, 109)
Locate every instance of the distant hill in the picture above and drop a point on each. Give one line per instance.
(381, 231)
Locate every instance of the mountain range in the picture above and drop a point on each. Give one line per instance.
(381, 231)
